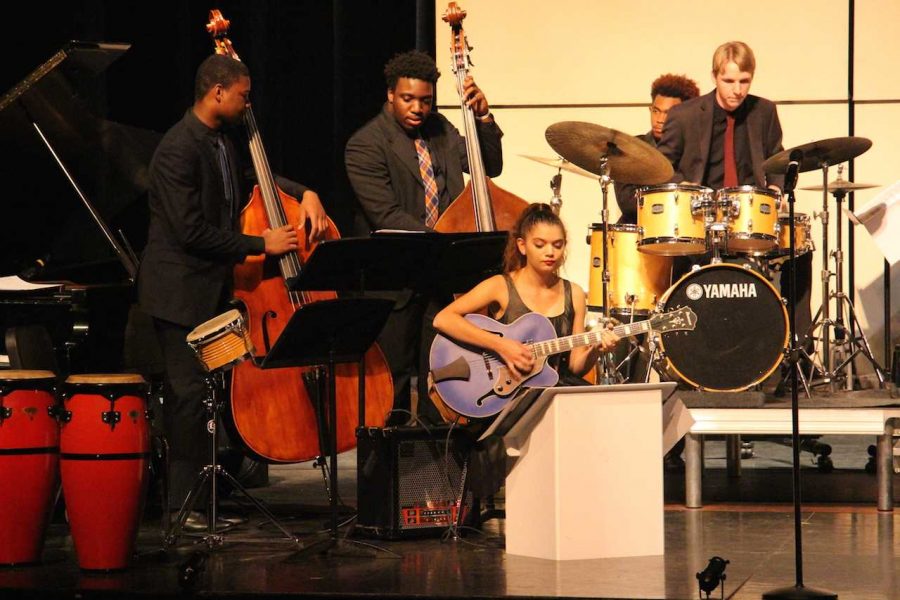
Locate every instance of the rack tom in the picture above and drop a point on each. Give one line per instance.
(222, 342)
(104, 464)
(29, 463)
(672, 218)
(751, 217)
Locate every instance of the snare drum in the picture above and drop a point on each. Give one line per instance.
(741, 331)
(636, 280)
(750, 214)
(803, 241)
(221, 342)
(672, 218)
(104, 464)
(29, 463)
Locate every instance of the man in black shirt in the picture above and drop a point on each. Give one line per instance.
(193, 244)
(666, 91)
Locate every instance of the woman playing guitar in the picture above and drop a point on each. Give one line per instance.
(531, 283)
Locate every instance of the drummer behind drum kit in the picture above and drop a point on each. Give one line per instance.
(742, 330)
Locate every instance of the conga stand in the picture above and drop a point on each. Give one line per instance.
(207, 477)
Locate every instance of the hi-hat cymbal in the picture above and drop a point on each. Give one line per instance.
(629, 159)
(560, 163)
(816, 155)
(841, 184)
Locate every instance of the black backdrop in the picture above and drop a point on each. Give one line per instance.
(316, 68)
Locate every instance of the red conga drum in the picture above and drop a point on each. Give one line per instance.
(29, 463)
(104, 462)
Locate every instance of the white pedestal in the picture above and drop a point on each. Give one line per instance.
(588, 482)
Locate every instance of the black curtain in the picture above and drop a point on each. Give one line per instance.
(316, 68)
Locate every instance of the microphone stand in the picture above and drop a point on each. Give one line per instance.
(797, 591)
(608, 374)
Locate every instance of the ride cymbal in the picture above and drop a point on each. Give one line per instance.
(560, 163)
(629, 159)
(831, 151)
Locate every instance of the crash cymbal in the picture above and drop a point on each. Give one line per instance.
(560, 163)
(816, 155)
(841, 184)
(630, 160)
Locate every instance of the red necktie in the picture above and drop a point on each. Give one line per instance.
(426, 170)
(731, 179)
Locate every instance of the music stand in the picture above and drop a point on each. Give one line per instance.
(430, 263)
(326, 333)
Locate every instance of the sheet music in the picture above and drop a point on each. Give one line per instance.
(877, 217)
(14, 283)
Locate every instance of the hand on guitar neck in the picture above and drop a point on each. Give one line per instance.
(475, 99)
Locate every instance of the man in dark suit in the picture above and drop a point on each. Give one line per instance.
(193, 244)
(406, 166)
(666, 91)
(721, 140)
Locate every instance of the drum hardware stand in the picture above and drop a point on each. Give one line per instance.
(607, 373)
(836, 357)
(208, 474)
(556, 201)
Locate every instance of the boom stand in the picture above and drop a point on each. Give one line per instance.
(213, 538)
(607, 373)
(837, 353)
(798, 591)
(329, 332)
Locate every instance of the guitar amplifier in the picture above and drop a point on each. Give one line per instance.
(409, 480)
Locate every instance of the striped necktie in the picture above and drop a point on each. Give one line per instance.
(426, 170)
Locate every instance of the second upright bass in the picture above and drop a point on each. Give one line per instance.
(482, 205)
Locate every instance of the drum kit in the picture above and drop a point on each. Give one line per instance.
(631, 265)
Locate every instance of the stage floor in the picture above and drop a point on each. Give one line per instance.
(849, 549)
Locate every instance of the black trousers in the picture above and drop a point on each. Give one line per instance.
(184, 415)
(406, 343)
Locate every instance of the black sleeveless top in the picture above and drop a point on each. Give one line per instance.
(562, 323)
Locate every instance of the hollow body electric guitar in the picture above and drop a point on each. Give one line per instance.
(477, 383)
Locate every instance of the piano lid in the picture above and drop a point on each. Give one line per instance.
(50, 231)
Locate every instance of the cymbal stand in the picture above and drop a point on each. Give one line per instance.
(556, 201)
(844, 346)
(607, 373)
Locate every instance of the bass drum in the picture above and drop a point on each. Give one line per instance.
(741, 333)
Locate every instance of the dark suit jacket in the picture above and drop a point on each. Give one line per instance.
(688, 132)
(383, 169)
(193, 242)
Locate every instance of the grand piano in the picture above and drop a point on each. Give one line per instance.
(75, 213)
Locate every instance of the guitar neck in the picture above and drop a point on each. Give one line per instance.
(564, 344)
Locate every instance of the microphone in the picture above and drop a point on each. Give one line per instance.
(793, 171)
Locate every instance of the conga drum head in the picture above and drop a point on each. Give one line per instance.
(741, 331)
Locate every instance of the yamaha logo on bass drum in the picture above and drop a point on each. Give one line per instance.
(695, 291)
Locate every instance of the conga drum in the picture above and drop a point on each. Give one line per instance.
(104, 465)
(29, 463)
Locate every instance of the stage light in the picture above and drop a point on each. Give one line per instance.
(709, 578)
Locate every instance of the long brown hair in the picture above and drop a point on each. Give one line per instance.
(536, 213)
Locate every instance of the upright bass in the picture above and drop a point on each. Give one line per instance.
(482, 205)
(274, 410)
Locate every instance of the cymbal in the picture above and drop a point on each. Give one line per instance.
(629, 159)
(560, 163)
(841, 184)
(831, 151)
